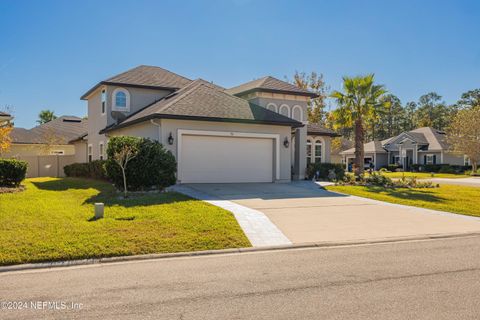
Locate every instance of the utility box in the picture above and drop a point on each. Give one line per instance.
(99, 208)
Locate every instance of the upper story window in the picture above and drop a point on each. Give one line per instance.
(121, 100)
(297, 113)
(104, 100)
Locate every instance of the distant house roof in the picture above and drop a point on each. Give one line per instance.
(4, 114)
(59, 131)
(435, 140)
(317, 129)
(144, 77)
(201, 100)
(270, 84)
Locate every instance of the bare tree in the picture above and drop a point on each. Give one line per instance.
(464, 135)
(122, 157)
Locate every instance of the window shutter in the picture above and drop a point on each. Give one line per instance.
(434, 159)
(425, 159)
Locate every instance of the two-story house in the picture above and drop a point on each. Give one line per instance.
(255, 132)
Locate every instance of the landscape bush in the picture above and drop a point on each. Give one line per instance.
(12, 172)
(325, 171)
(152, 167)
(92, 170)
(394, 167)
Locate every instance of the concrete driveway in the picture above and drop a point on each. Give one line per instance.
(306, 213)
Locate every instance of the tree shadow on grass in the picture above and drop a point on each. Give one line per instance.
(107, 193)
(409, 194)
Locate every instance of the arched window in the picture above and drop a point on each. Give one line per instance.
(297, 113)
(121, 99)
(318, 151)
(272, 107)
(309, 151)
(284, 110)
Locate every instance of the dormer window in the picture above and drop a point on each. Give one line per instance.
(121, 100)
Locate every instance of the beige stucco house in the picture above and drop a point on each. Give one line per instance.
(255, 132)
(422, 146)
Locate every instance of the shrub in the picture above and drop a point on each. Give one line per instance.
(383, 170)
(378, 179)
(153, 165)
(92, 170)
(325, 171)
(12, 172)
(393, 167)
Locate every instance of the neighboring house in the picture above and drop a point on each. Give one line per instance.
(255, 132)
(420, 146)
(5, 118)
(48, 147)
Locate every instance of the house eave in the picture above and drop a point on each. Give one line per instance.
(292, 124)
(87, 94)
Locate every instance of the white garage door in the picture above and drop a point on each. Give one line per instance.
(214, 159)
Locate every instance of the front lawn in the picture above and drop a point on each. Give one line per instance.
(456, 199)
(52, 220)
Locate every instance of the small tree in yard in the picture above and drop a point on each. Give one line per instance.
(122, 157)
(5, 139)
(464, 135)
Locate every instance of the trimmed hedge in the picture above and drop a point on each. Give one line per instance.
(92, 170)
(321, 171)
(152, 167)
(12, 172)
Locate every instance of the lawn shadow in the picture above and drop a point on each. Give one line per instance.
(107, 193)
(408, 194)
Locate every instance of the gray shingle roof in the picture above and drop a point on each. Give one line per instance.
(201, 100)
(317, 129)
(4, 114)
(270, 84)
(58, 131)
(145, 76)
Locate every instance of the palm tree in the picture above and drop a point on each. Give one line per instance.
(46, 116)
(358, 102)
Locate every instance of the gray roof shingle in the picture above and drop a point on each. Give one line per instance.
(59, 131)
(145, 76)
(270, 84)
(201, 100)
(317, 129)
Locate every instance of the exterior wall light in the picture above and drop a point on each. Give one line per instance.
(170, 139)
(286, 143)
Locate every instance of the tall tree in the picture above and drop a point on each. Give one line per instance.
(45, 116)
(433, 112)
(357, 102)
(464, 134)
(469, 99)
(315, 83)
(409, 120)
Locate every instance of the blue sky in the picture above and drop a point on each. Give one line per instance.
(53, 51)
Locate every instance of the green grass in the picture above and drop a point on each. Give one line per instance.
(53, 220)
(456, 199)
(422, 175)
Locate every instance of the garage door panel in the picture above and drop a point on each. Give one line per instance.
(213, 159)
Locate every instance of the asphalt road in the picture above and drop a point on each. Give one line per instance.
(434, 279)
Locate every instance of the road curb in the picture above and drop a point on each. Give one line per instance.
(325, 244)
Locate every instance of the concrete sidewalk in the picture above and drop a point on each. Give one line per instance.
(306, 213)
(471, 182)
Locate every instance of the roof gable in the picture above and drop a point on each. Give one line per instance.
(270, 84)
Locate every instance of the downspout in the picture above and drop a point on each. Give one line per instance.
(152, 121)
